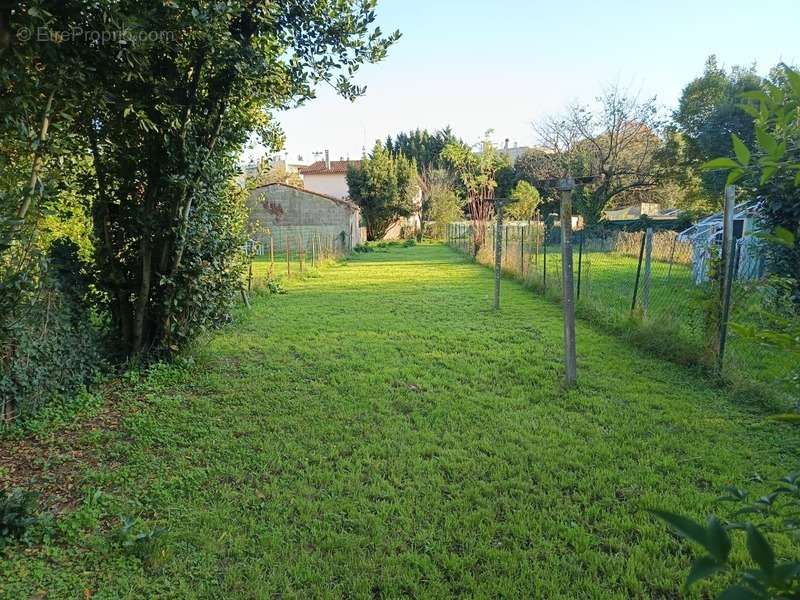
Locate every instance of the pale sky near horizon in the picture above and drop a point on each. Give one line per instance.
(478, 65)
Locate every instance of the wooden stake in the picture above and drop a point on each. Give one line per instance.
(288, 257)
(271, 254)
(498, 255)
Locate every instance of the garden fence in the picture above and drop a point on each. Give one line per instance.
(280, 254)
(652, 286)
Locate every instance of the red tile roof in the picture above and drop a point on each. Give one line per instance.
(337, 166)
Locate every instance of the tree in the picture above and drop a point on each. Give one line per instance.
(771, 170)
(708, 113)
(617, 143)
(526, 202)
(425, 149)
(384, 187)
(444, 207)
(164, 120)
(477, 173)
(536, 166)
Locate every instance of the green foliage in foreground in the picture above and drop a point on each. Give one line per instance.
(17, 509)
(766, 577)
(380, 431)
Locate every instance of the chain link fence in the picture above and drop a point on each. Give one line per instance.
(655, 287)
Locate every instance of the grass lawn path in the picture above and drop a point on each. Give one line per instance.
(380, 432)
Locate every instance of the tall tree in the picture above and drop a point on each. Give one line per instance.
(477, 173)
(770, 168)
(170, 107)
(384, 187)
(708, 112)
(616, 142)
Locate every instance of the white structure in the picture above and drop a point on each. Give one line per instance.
(328, 177)
(706, 239)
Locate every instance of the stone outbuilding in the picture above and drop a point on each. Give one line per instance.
(284, 211)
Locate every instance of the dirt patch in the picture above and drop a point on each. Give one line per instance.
(51, 464)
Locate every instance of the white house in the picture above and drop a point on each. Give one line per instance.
(328, 177)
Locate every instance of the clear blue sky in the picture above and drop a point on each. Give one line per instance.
(501, 65)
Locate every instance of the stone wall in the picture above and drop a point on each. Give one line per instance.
(300, 216)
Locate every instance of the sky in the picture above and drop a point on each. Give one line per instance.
(480, 65)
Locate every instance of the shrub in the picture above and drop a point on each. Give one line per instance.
(17, 509)
(52, 348)
(137, 539)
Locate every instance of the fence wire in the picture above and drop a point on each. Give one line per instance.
(280, 254)
(650, 285)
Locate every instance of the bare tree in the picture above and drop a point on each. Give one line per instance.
(617, 143)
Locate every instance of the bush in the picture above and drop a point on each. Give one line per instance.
(17, 509)
(52, 348)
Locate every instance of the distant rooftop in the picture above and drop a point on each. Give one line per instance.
(336, 166)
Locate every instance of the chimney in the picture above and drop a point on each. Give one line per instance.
(327, 160)
(505, 146)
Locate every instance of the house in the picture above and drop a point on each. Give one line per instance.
(328, 177)
(285, 214)
(706, 239)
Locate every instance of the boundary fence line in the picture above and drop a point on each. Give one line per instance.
(653, 287)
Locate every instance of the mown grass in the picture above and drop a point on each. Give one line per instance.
(379, 431)
(674, 325)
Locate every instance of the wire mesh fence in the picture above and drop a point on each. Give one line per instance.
(656, 287)
(277, 255)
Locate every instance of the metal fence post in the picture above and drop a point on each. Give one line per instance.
(580, 263)
(638, 275)
(570, 358)
(648, 254)
(544, 260)
(727, 272)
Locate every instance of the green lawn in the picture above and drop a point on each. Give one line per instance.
(676, 308)
(380, 432)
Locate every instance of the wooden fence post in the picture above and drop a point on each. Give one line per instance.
(570, 358)
(271, 254)
(580, 263)
(498, 254)
(288, 257)
(544, 258)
